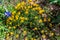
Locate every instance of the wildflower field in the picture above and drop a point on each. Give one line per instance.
(29, 19)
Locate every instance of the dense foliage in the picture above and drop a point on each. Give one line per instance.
(30, 20)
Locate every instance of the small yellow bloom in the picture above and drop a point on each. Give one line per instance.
(40, 21)
(29, 7)
(49, 19)
(14, 27)
(51, 34)
(39, 8)
(26, 12)
(7, 38)
(35, 28)
(17, 35)
(11, 33)
(9, 27)
(26, 38)
(19, 13)
(10, 18)
(35, 4)
(10, 23)
(16, 17)
(43, 36)
(42, 31)
(51, 25)
(13, 13)
(22, 18)
(17, 6)
(14, 20)
(34, 39)
(41, 11)
(34, 9)
(24, 33)
(23, 3)
(26, 18)
(29, 0)
(45, 19)
(8, 34)
(36, 17)
(22, 21)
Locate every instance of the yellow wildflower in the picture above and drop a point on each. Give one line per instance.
(45, 19)
(32, 38)
(35, 4)
(17, 35)
(42, 31)
(51, 25)
(29, 7)
(34, 9)
(35, 28)
(22, 21)
(26, 38)
(14, 27)
(36, 17)
(13, 13)
(41, 11)
(7, 38)
(17, 6)
(40, 21)
(39, 8)
(24, 33)
(23, 3)
(16, 17)
(10, 23)
(49, 19)
(29, 0)
(19, 13)
(43, 36)
(22, 18)
(26, 12)
(9, 27)
(8, 34)
(10, 18)
(26, 18)
(11, 33)
(51, 34)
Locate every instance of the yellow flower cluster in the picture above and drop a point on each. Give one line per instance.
(27, 14)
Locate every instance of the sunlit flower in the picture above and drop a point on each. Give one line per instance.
(9, 27)
(24, 32)
(42, 31)
(49, 19)
(41, 11)
(26, 12)
(43, 36)
(22, 18)
(17, 35)
(26, 18)
(16, 17)
(11, 33)
(45, 19)
(35, 28)
(40, 21)
(36, 17)
(22, 21)
(26, 38)
(14, 27)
